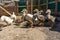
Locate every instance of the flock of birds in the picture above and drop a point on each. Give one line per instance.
(37, 18)
(32, 19)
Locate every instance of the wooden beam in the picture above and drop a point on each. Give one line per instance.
(38, 4)
(5, 10)
(56, 5)
(27, 5)
(46, 4)
(16, 7)
(31, 6)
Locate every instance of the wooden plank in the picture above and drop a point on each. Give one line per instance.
(46, 4)
(38, 4)
(31, 6)
(18, 17)
(5, 10)
(27, 5)
(21, 6)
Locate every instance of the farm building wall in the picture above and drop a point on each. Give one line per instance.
(9, 6)
(9, 9)
(54, 5)
(30, 5)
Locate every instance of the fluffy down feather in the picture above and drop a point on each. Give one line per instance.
(6, 19)
(13, 16)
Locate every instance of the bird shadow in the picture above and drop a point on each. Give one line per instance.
(56, 27)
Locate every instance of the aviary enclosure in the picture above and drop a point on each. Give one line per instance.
(30, 5)
(26, 26)
(54, 5)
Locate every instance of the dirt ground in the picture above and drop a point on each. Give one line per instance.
(13, 32)
(37, 33)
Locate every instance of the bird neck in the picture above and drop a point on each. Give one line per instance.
(13, 13)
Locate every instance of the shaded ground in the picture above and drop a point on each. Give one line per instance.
(51, 35)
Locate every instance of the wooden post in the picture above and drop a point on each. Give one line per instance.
(56, 6)
(31, 6)
(16, 7)
(46, 4)
(3, 3)
(38, 4)
(27, 5)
